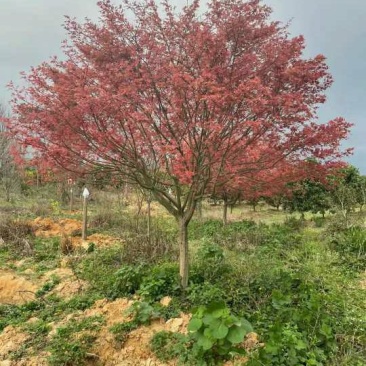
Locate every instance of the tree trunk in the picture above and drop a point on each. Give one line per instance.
(37, 178)
(224, 214)
(183, 251)
(7, 192)
(149, 219)
(199, 207)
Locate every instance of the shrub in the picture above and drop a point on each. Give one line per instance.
(17, 236)
(294, 224)
(127, 280)
(210, 264)
(160, 281)
(297, 324)
(122, 330)
(104, 220)
(99, 268)
(41, 208)
(207, 229)
(351, 245)
(156, 248)
(66, 245)
(204, 294)
(319, 221)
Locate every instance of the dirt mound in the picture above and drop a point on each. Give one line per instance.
(69, 285)
(46, 227)
(10, 340)
(15, 289)
(136, 350)
(113, 312)
(100, 240)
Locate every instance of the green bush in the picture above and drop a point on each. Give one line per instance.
(162, 280)
(245, 236)
(122, 330)
(297, 324)
(204, 294)
(351, 245)
(127, 280)
(319, 221)
(210, 264)
(294, 223)
(99, 269)
(207, 229)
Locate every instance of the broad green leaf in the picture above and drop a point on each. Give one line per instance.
(232, 319)
(217, 309)
(215, 323)
(220, 332)
(236, 334)
(194, 325)
(247, 326)
(205, 343)
(208, 319)
(208, 332)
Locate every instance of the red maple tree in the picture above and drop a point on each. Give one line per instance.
(173, 100)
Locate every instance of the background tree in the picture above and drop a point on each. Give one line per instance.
(202, 96)
(9, 175)
(361, 187)
(346, 186)
(308, 195)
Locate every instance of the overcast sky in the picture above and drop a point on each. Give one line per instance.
(31, 31)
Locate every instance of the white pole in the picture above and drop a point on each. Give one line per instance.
(85, 213)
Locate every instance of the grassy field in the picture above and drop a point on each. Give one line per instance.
(266, 289)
